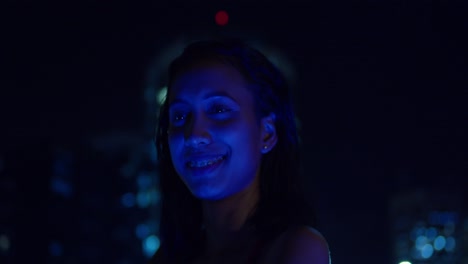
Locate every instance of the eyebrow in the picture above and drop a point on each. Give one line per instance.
(207, 96)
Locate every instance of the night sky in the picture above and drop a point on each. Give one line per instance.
(380, 86)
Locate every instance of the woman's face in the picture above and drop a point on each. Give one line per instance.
(215, 139)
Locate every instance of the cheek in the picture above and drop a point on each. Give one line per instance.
(241, 127)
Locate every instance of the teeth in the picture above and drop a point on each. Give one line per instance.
(203, 163)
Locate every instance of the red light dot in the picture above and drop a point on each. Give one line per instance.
(222, 18)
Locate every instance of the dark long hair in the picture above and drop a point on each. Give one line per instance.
(281, 203)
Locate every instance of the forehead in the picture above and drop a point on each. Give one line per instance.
(210, 78)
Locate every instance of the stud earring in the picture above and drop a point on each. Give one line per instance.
(265, 147)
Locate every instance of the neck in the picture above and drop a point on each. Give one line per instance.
(225, 220)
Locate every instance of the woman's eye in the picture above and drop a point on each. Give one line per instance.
(219, 109)
(178, 119)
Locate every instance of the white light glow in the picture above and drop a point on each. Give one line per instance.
(404, 262)
(161, 95)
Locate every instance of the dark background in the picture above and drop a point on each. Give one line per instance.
(381, 88)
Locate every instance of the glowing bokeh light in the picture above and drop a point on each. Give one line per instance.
(4, 243)
(405, 262)
(426, 251)
(439, 243)
(221, 18)
(150, 245)
(450, 244)
(143, 199)
(421, 241)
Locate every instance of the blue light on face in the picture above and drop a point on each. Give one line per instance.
(212, 114)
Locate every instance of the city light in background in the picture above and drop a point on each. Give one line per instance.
(78, 178)
(429, 228)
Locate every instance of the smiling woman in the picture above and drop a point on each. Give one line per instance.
(213, 143)
(229, 162)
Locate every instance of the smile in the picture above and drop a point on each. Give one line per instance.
(204, 162)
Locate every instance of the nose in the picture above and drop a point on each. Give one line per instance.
(197, 132)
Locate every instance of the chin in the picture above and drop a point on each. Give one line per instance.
(210, 196)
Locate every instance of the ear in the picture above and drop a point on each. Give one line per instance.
(268, 133)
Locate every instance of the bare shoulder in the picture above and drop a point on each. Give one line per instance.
(300, 245)
(306, 245)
